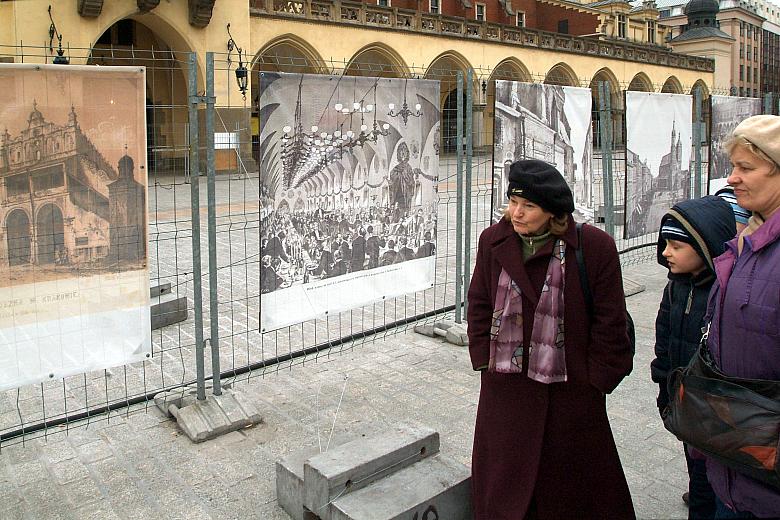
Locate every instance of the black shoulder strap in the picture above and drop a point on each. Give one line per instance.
(583, 272)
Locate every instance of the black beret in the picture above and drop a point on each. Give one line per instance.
(541, 184)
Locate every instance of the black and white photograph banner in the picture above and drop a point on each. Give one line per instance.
(74, 277)
(727, 112)
(546, 122)
(348, 175)
(658, 156)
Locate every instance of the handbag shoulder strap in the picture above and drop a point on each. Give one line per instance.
(583, 272)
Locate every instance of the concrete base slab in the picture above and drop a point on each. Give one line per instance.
(215, 416)
(631, 287)
(425, 330)
(167, 308)
(289, 482)
(358, 463)
(457, 335)
(437, 487)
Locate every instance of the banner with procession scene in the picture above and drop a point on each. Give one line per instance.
(348, 173)
(726, 113)
(658, 156)
(74, 282)
(546, 122)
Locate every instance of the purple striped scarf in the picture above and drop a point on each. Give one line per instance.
(546, 355)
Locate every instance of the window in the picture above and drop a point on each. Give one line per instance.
(742, 28)
(651, 31)
(434, 6)
(520, 19)
(621, 26)
(748, 73)
(741, 73)
(749, 31)
(664, 13)
(480, 11)
(383, 3)
(755, 53)
(563, 26)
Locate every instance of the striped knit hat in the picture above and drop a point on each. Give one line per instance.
(671, 229)
(741, 215)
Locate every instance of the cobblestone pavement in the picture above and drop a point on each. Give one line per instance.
(140, 466)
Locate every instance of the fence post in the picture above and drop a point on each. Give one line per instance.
(467, 199)
(697, 142)
(605, 128)
(194, 103)
(212, 226)
(459, 202)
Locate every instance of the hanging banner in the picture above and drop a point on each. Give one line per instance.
(727, 112)
(348, 173)
(546, 122)
(74, 283)
(658, 157)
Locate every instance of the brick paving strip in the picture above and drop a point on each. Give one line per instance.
(141, 466)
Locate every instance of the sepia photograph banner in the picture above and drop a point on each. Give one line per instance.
(546, 122)
(727, 112)
(658, 156)
(74, 281)
(348, 175)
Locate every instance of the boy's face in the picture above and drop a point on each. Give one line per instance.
(682, 258)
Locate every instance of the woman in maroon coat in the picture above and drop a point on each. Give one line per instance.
(543, 447)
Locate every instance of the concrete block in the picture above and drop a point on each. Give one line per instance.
(167, 308)
(435, 488)
(425, 330)
(358, 463)
(215, 416)
(289, 482)
(457, 335)
(631, 287)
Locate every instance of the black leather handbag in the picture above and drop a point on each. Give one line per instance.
(735, 421)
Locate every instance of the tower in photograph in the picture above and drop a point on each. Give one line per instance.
(127, 216)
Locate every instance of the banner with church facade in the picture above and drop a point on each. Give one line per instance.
(546, 122)
(726, 113)
(658, 155)
(74, 282)
(348, 173)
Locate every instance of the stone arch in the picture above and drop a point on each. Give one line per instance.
(672, 86)
(510, 69)
(616, 104)
(164, 52)
(377, 60)
(706, 113)
(641, 83)
(289, 53)
(49, 234)
(561, 74)
(445, 68)
(18, 237)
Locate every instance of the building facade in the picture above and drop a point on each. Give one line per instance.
(352, 38)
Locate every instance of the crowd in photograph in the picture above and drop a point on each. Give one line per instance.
(304, 246)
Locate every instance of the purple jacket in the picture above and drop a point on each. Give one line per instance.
(745, 341)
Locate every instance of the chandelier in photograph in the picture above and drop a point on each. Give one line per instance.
(405, 112)
(304, 153)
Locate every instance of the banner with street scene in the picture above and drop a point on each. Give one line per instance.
(74, 281)
(348, 173)
(658, 157)
(726, 113)
(546, 122)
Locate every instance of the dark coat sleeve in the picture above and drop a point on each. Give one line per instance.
(609, 354)
(659, 367)
(480, 307)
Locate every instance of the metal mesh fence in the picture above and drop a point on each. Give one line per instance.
(233, 210)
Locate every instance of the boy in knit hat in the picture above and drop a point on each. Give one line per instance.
(692, 234)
